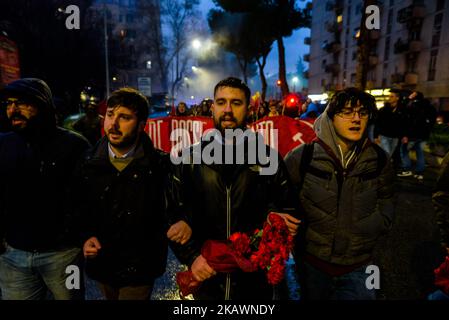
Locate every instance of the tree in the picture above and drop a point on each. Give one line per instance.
(235, 32)
(230, 31)
(365, 45)
(282, 16)
(180, 16)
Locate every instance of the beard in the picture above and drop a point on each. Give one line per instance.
(19, 127)
(127, 141)
(227, 117)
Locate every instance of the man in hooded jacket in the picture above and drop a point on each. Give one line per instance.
(345, 190)
(37, 160)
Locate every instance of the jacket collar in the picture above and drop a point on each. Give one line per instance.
(144, 152)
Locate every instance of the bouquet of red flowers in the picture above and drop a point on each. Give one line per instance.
(442, 276)
(267, 249)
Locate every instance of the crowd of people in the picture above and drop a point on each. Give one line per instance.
(114, 207)
(301, 110)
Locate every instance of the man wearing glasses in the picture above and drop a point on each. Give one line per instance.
(344, 185)
(37, 160)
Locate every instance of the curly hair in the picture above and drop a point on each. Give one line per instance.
(354, 96)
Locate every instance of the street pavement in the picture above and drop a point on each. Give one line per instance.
(411, 251)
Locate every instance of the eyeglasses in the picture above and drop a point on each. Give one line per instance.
(21, 104)
(350, 114)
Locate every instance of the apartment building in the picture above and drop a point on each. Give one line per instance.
(409, 51)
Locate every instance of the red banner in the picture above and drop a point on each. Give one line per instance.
(160, 130)
(290, 132)
(9, 61)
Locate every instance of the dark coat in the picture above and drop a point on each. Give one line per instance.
(220, 200)
(390, 122)
(347, 207)
(35, 184)
(421, 117)
(125, 211)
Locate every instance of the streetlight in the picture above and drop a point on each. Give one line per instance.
(279, 83)
(295, 80)
(196, 44)
(106, 49)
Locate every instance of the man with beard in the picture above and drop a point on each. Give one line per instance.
(122, 181)
(37, 161)
(221, 199)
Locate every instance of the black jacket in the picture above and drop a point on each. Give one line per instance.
(220, 200)
(125, 211)
(390, 123)
(35, 188)
(421, 117)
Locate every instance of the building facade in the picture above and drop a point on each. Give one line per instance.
(409, 51)
(135, 50)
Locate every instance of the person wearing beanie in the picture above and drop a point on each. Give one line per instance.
(37, 161)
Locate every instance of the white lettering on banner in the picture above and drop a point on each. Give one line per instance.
(266, 129)
(154, 131)
(196, 127)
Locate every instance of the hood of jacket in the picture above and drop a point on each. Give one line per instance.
(38, 93)
(325, 131)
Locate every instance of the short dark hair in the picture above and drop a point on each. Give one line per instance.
(234, 83)
(352, 95)
(132, 99)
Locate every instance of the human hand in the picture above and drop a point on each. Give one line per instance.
(91, 247)
(180, 232)
(201, 270)
(291, 222)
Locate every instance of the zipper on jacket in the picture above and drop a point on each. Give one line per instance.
(228, 234)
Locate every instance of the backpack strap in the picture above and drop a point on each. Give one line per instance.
(382, 158)
(304, 165)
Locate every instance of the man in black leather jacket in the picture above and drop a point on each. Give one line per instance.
(220, 199)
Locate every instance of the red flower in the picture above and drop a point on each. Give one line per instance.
(266, 249)
(240, 242)
(442, 276)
